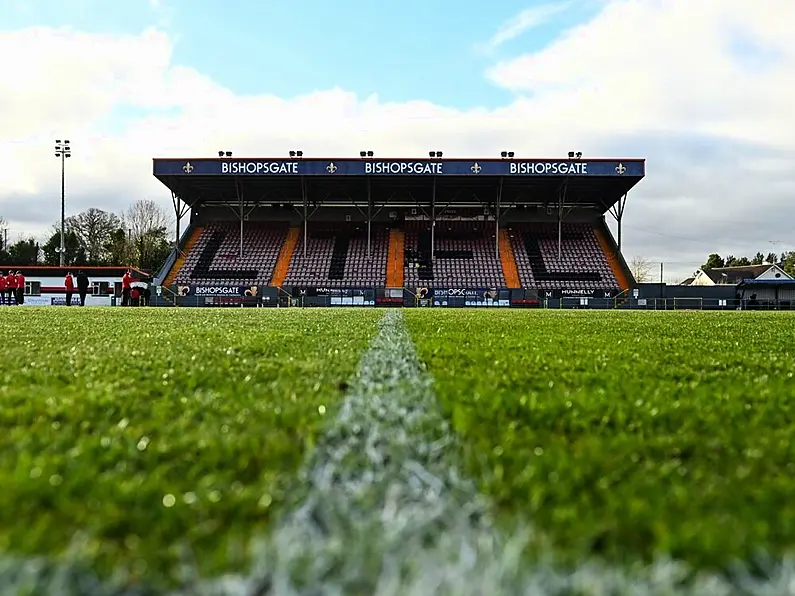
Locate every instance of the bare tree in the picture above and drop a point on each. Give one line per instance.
(147, 224)
(3, 235)
(94, 228)
(641, 269)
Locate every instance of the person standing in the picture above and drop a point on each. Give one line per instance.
(82, 287)
(69, 284)
(2, 289)
(126, 286)
(11, 286)
(20, 288)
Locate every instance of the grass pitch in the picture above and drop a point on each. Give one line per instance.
(147, 432)
(626, 435)
(134, 435)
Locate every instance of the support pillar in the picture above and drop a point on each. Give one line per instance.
(240, 215)
(433, 220)
(561, 206)
(617, 211)
(369, 215)
(306, 212)
(180, 210)
(497, 221)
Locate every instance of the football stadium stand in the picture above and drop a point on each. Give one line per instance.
(221, 256)
(460, 231)
(459, 254)
(336, 256)
(578, 262)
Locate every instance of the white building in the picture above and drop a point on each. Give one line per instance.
(732, 276)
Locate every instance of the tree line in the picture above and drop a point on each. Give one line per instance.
(139, 237)
(642, 268)
(786, 260)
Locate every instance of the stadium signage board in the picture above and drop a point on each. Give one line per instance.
(461, 293)
(576, 293)
(399, 167)
(298, 292)
(208, 291)
(458, 297)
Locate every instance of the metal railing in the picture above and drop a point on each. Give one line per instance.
(621, 298)
(409, 297)
(700, 303)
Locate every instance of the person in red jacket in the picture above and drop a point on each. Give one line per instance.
(20, 288)
(126, 285)
(2, 289)
(11, 286)
(69, 284)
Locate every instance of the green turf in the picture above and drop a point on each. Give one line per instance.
(626, 434)
(146, 431)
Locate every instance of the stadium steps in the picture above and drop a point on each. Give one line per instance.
(614, 259)
(189, 244)
(285, 257)
(509, 269)
(395, 258)
(339, 255)
(425, 270)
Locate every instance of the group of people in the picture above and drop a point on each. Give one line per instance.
(133, 295)
(12, 286)
(79, 283)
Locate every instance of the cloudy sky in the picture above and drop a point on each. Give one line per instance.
(704, 89)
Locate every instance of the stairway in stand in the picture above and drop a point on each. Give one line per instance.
(180, 260)
(611, 253)
(285, 258)
(395, 258)
(616, 265)
(509, 269)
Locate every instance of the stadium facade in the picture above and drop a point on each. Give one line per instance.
(445, 232)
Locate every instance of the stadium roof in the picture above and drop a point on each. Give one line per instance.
(405, 182)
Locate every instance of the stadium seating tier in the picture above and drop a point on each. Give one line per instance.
(464, 255)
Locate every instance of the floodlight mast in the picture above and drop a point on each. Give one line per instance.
(63, 150)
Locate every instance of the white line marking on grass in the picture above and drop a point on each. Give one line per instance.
(386, 510)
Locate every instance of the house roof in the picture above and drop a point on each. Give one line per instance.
(768, 282)
(735, 275)
(55, 271)
(688, 281)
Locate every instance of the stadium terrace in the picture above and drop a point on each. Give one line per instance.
(443, 232)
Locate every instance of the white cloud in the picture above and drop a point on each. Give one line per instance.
(525, 21)
(655, 78)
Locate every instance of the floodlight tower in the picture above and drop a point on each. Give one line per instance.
(63, 150)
